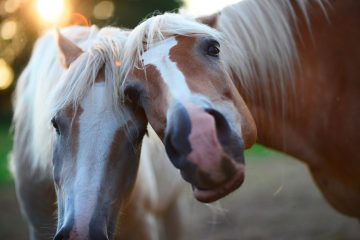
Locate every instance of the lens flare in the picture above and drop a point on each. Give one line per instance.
(50, 10)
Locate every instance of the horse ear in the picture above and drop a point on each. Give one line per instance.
(69, 52)
(209, 20)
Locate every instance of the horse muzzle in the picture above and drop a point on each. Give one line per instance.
(67, 233)
(208, 153)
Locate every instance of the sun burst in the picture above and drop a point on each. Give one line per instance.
(51, 11)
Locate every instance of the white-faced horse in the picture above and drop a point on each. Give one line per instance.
(283, 73)
(77, 146)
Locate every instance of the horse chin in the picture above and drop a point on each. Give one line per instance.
(214, 194)
(232, 166)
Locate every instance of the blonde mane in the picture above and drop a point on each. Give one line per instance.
(45, 86)
(260, 48)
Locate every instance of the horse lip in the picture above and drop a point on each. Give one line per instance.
(211, 195)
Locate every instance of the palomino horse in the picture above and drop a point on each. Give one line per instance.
(288, 67)
(91, 152)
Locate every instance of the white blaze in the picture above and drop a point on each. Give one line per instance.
(98, 125)
(159, 56)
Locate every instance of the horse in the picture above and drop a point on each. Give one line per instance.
(284, 74)
(77, 144)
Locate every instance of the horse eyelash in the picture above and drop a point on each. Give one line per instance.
(55, 125)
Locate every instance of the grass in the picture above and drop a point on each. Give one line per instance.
(5, 147)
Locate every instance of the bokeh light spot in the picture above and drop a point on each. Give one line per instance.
(8, 29)
(11, 6)
(104, 10)
(6, 75)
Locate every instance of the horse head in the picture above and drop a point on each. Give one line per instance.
(97, 143)
(178, 78)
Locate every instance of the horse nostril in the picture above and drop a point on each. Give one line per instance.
(63, 234)
(98, 234)
(94, 234)
(177, 144)
(229, 139)
(224, 132)
(58, 236)
(176, 152)
(172, 152)
(178, 159)
(222, 125)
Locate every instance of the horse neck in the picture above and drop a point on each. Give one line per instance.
(325, 76)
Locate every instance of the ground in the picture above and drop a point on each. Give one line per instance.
(278, 201)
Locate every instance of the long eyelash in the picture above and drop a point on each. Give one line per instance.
(55, 125)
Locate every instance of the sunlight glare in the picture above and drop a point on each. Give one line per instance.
(206, 7)
(50, 10)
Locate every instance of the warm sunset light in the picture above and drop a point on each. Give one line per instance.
(50, 10)
(6, 75)
(205, 7)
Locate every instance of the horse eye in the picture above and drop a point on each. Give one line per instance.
(55, 125)
(132, 93)
(213, 49)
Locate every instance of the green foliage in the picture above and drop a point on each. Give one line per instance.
(260, 152)
(129, 13)
(5, 147)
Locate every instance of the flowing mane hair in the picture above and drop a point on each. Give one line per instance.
(45, 86)
(257, 40)
(260, 47)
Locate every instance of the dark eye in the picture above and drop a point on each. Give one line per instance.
(213, 49)
(55, 125)
(132, 93)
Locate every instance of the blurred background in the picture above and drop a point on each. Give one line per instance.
(278, 200)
